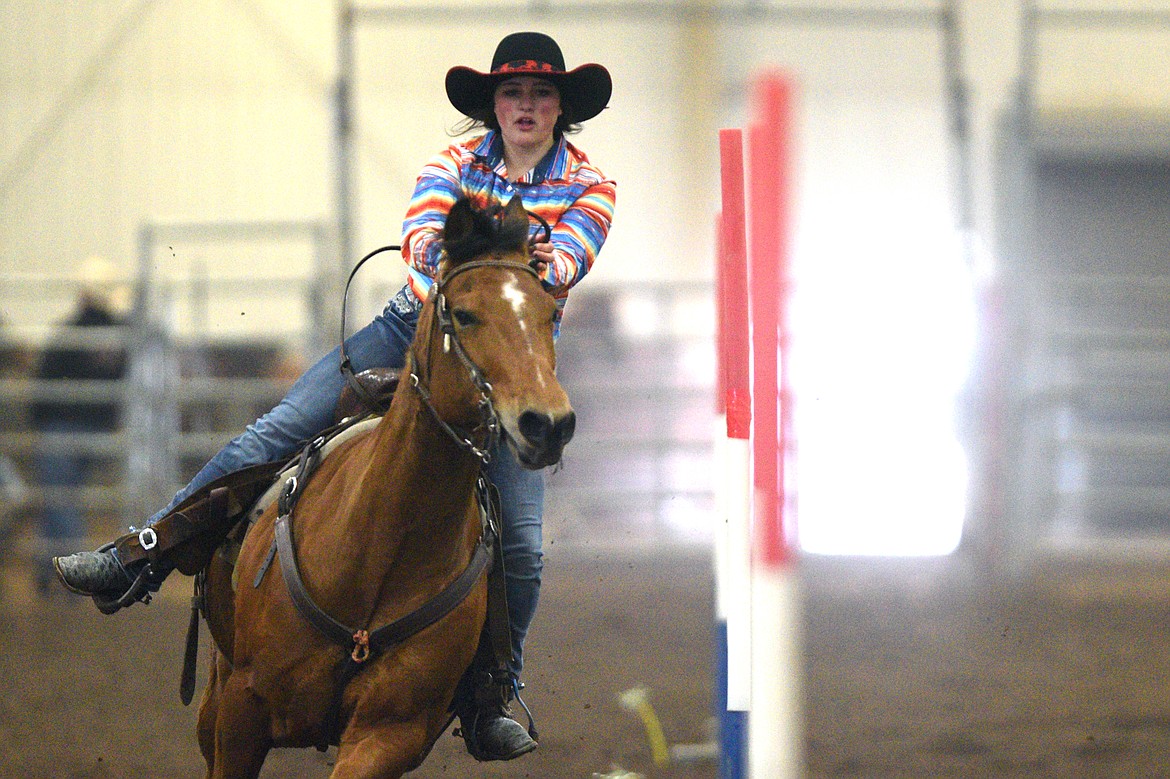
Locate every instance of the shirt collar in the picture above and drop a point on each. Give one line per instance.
(491, 150)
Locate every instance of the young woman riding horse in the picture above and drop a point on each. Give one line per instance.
(388, 532)
(527, 103)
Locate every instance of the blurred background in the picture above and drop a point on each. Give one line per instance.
(978, 265)
(981, 291)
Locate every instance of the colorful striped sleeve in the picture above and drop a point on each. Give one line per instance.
(578, 235)
(437, 189)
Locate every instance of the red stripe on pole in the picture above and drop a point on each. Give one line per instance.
(769, 159)
(732, 288)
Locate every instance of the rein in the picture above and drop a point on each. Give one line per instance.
(367, 398)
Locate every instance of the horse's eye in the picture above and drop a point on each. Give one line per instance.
(464, 318)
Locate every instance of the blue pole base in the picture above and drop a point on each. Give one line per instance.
(733, 736)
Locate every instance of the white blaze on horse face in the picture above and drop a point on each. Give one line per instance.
(516, 296)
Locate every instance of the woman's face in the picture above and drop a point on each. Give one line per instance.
(527, 109)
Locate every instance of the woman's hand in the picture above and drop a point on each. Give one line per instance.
(542, 254)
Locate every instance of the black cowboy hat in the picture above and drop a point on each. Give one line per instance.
(584, 90)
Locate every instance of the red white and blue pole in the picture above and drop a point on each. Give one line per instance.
(733, 455)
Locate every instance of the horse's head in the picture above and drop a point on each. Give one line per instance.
(497, 326)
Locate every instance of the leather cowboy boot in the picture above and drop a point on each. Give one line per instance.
(88, 573)
(132, 567)
(102, 576)
(485, 719)
(489, 685)
(135, 565)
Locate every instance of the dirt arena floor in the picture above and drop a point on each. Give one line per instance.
(911, 669)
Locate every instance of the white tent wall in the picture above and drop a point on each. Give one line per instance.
(116, 114)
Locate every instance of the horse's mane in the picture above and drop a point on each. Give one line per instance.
(472, 232)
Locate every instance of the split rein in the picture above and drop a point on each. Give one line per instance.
(489, 420)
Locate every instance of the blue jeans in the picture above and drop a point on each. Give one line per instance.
(308, 409)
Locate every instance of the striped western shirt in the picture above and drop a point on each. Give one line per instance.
(564, 189)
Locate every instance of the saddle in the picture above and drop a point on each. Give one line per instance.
(370, 393)
(187, 537)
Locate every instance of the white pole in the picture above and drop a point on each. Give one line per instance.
(737, 585)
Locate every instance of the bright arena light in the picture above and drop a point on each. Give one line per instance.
(883, 332)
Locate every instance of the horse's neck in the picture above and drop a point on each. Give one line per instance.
(402, 519)
(416, 468)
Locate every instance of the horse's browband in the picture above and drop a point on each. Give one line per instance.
(473, 264)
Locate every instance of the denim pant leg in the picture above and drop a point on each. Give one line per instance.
(522, 506)
(310, 404)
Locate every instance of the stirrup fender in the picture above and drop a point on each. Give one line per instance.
(187, 537)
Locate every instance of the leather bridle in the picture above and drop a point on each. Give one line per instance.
(489, 421)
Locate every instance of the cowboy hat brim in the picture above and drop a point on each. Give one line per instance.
(585, 90)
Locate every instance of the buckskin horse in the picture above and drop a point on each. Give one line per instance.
(389, 522)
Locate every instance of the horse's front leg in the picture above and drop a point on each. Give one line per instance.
(242, 736)
(219, 671)
(208, 706)
(388, 751)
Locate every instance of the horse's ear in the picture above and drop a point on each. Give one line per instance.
(460, 221)
(515, 221)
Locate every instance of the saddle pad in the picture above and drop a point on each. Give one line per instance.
(272, 494)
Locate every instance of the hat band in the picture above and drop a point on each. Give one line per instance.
(527, 66)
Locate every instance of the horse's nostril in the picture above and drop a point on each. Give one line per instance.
(534, 426)
(545, 431)
(565, 427)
